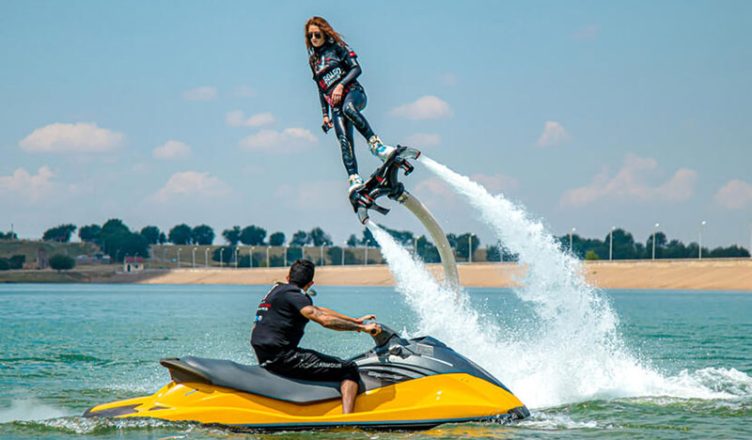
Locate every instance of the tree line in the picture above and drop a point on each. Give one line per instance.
(117, 240)
(625, 247)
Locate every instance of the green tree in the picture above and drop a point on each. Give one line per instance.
(118, 241)
(232, 235)
(113, 226)
(60, 233)
(728, 252)
(493, 253)
(227, 253)
(319, 237)
(180, 234)
(4, 264)
(162, 238)
(335, 256)
(17, 261)
(90, 233)
(277, 239)
(465, 242)
(368, 239)
(427, 251)
(591, 255)
(625, 247)
(61, 262)
(452, 239)
(151, 234)
(660, 245)
(300, 239)
(676, 249)
(8, 236)
(202, 235)
(253, 235)
(126, 243)
(353, 241)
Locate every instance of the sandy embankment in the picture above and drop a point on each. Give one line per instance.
(726, 274)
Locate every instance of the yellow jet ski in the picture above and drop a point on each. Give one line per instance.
(404, 384)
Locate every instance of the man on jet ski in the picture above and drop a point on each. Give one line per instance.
(279, 325)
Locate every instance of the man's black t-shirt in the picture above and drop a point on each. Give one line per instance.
(279, 325)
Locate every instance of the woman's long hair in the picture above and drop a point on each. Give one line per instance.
(329, 33)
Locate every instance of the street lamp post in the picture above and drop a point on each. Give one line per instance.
(699, 241)
(221, 254)
(236, 257)
(571, 240)
(193, 257)
(611, 244)
(206, 257)
(267, 255)
(470, 248)
(654, 232)
(321, 255)
(366, 254)
(285, 258)
(179, 250)
(343, 253)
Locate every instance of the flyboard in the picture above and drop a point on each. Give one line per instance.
(385, 182)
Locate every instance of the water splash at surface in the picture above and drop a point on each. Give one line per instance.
(572, 351)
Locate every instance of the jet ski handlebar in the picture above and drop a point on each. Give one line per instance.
(386, 335)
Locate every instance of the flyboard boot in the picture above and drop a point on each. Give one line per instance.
(356, 182)
(384, 181)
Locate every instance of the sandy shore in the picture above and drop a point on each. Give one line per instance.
(667, 274)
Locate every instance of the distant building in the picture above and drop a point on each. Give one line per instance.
(133, 264)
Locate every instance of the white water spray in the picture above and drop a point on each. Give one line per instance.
(572, 353)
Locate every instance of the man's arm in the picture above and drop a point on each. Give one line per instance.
(345, 317)
(331, 321)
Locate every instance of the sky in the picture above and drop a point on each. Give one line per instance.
(590, 114)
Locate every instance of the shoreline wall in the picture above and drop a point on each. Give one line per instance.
(707, 274)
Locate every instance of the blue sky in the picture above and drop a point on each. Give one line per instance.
(591, 114)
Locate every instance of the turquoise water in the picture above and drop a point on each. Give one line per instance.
(64, 348)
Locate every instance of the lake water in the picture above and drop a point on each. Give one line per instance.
(64, 348)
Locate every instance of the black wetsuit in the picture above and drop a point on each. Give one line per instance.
(277, 331)
(334, 64)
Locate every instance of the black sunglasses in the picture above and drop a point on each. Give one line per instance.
(314, 34)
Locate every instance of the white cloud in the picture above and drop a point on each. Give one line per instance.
(419, 140)
(631, 182)
(244, 91)
(172, 149)
(204, 93)
(735, 194)
(427, 107)
(289, 140)
(237, 118)
(553, 134)
(28, 186)
(81, 137)
(191, 184)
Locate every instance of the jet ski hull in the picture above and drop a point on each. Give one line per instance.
(418, 403)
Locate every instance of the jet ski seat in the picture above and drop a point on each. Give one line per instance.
(249, 379)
